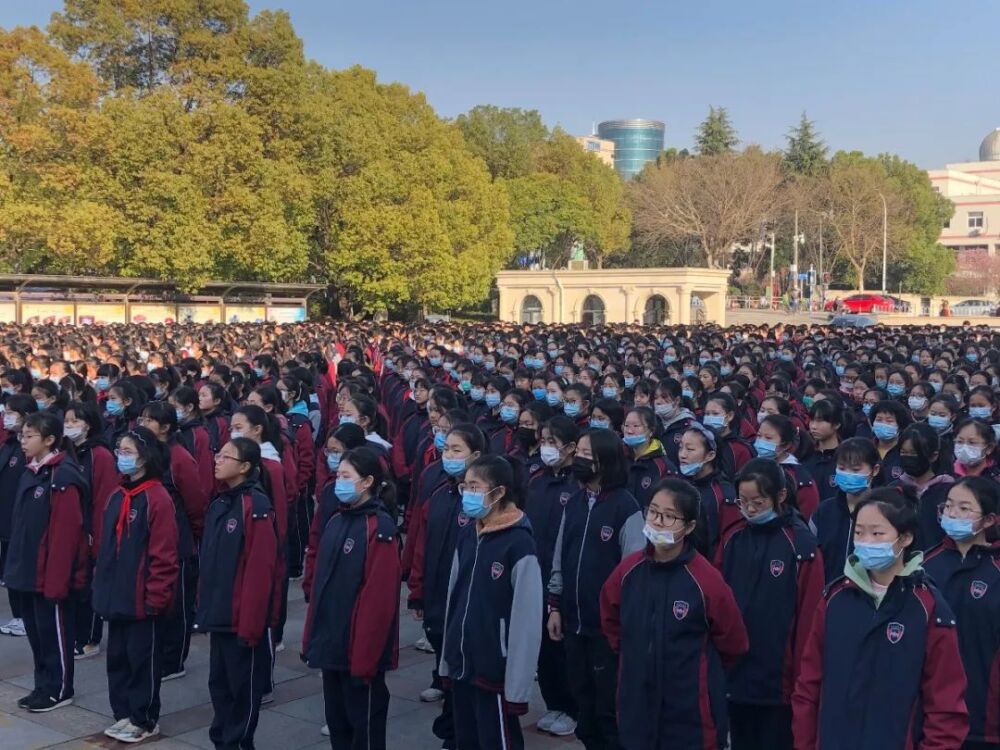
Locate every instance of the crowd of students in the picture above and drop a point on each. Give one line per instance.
(691, 537)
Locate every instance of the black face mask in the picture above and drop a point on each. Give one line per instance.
(527, 436)
(915, 466)
(583, 469)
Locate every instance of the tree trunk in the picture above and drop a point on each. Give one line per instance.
(861, 276)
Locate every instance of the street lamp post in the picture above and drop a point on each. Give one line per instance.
(885, 240)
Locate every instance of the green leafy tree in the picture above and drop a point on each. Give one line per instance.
(806, 152)
(716, 135)
(506, 139)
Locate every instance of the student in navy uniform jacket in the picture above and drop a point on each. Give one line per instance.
(352, 626)
(881, 668)
(772, 564)
(212, 398)
(699, 457)
(669, 616)
(48, 558)
(439, 521)
(492, 634)
(649, 460)
(82, 427)
(601, 525)
(966, 568)
(547, 495)
(12, 465)
(135, 577)
(239, 558)
(919, 451)
(826, 419)
(293, 397)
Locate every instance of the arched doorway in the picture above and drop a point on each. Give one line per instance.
(531, 310)
(593, 311)
(657, 311)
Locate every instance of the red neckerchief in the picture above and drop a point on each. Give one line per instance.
(123, 512)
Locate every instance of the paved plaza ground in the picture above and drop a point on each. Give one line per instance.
(291, 722)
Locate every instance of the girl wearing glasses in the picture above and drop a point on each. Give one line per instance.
(669, 616)
(135, 576)
(352, 625)
(492, 635)
(966, 567)
(975, 450)
(772, 563)
(881, 667)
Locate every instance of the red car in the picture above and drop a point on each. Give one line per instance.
(863, 303)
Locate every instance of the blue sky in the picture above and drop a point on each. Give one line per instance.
(909, 77)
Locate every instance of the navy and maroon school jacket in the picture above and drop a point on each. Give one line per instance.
(673, 432)
(327, 505)
(502, 441)
(12, 465)
(493, 632)
(49, 548)
(971, 587)
(101, 472)
(930, 533)
(299, 433)
(545, 499)
(776, 573)
(886, 677)
(806, 492)
(434, 546)
(597, 531)
(353, 620)
(193, 436)
(217, 428)
(675, 625)
(734, 453)
(490, 422)
(432, 476)
(892, 468)
(115, 427)
(834, 529)
(645, 471)
(191, 497)
(137, 563)
(407, 440)
(823, 467)
(720, 510)
(238, 560)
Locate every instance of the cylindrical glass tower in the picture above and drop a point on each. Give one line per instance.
(637, 142)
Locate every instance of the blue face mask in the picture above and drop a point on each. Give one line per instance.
(634, 441)
(102, 383)
(346, 490)
(477, 359)
(914, 358)
(851, 483)
(435, 361)
(980, 412)
(599, 424)
(959, 529)
(553, 399)
(972, 357)
(115, 408)
(453, 466)
(688, 372)
(895, 389)
(127, 464)
(704, 361)
(333, 461)
(937, 386)
(884, 431)
(881, 382)
(725, 371)
(876, 556)
(474, 504)
(181, 416)
(715, 421)
(689, 470)
(867, 409)
(493, 400)
(489, 365)
(539, 393)
(765, 448)
(687, 393)
(477, 394)
(439, 438)
(508, 413)
(558, 369)
(938, 422)
(761, 518)
(465, 386)
(839, 369)
(609, 392)
(668, 358)
(571, 409)
(258, 371)
(787, 357)
(42, 406)
(348, 419)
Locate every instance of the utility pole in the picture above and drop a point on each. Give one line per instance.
(885, 240)
(796, 293)
(770, 296)
(822, 295)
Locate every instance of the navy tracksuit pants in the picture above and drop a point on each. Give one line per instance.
(177, 624)
(134, 653)
(444, 724)
(356, 713)
(592, 668)
(553, 681)
(50, 628)
(238, 676)
(481, 721)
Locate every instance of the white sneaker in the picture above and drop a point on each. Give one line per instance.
(132, 734)
(325, 731)
(85, 652)
(431, 695)
(424, 645)
(279, 647)
(563, 726)
(173, 676)
(15, 627)
(545, 723)
(115, 728)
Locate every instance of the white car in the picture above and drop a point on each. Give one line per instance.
(974, 307)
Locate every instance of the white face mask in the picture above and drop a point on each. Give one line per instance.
(10, 421)
(73, 433)
(658, 538)
(549, 455)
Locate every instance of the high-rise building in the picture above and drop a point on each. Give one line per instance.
(602, 149)
(637, 142)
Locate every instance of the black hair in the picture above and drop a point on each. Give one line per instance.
(896, 409)
(187, 396)
(270, 427)
(219, 393)
(648, 417)
(986, 492)
(154, 454)
(349, 435)
(564, 429)
(163, 413)
(858, 450)
(471, 435)
(51, 390)
(247, 451)
(922, 437)
(136, 398)
(614, 410)
(687, 500)
(898, 508)
(770, 478)
(88, 412)
(22, 403)
(367, 408)
(827, 410)
(297, 389)
(49, 425)
(609, 459)
(982, 429)
(269, 395)
(499, 472)
(367, 463)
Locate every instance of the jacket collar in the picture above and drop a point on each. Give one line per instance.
(505, 518)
